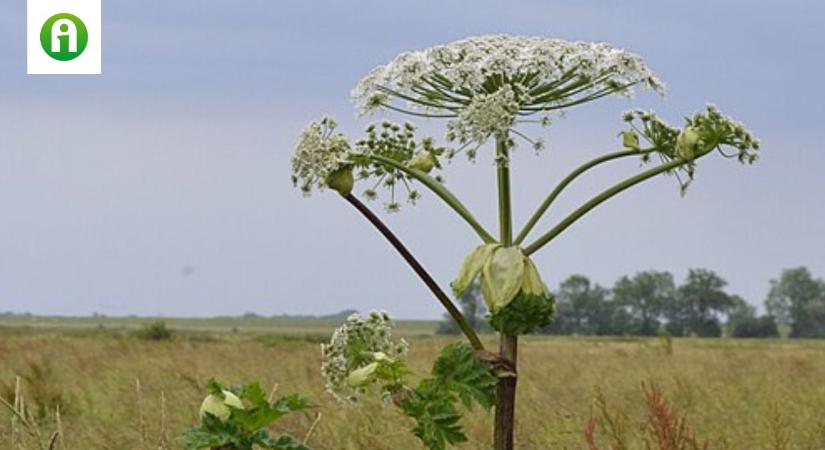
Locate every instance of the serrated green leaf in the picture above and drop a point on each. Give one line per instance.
(471, 267)
(435, 414)
(501, 277)
(458, 370)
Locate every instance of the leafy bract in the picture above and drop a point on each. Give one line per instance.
(471, 267)
(502, 276)
(532, 283)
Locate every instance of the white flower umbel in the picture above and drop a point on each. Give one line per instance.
(486, 83)
(354, 346)
(320, 153)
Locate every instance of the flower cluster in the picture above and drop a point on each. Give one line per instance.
(485, 83)
(319, 155)
(484, 115)
(397, 144)
(704, 132)
(354, 349)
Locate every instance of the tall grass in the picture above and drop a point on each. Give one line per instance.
(124, 393)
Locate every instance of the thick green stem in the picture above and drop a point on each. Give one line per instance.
(399, 246)
(508, 345)
(534, 219)
(599, 199)
(442, 192)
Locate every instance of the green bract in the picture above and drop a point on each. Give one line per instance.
(503, 272)
(502, 277)
(341, 180)
(472, 267)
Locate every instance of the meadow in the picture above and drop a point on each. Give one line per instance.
(116, 391)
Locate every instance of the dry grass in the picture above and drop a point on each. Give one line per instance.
(122, 393)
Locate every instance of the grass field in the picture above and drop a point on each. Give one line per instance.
(122, 393)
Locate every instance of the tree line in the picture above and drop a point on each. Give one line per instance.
(651, 302)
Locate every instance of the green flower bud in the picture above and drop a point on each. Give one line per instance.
(219, 407)
(362, 376)
(687, 143)
(630, 139)
(423, 161)
(341, 180)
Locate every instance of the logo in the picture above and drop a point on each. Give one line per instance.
(64, 37)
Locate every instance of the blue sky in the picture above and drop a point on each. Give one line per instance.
(162, 186)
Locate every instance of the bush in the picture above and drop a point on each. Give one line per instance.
(155, 331)
(754, 327)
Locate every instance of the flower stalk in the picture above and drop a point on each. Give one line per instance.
(602, 197)
(508, 345)
(422, 273)
(545, 205)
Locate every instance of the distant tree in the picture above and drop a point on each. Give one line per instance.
(699, 303)
(587, 307)
(797, 299)
(473, 308)
(644, 298)
(744, 323)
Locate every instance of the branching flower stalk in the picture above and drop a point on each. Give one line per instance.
(439, 294)
(486, 88)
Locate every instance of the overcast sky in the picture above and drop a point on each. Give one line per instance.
(162, 186)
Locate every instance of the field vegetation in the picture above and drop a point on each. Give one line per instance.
(109, 388)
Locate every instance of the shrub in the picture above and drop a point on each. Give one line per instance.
(155, 331)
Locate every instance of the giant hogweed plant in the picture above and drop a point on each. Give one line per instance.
(486, 89)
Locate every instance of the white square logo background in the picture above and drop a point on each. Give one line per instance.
(38, 11)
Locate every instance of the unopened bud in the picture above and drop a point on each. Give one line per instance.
(630, 139)
(687, 142)
(341, 180)
(362, 376)
(219, 407)
(423, 161)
